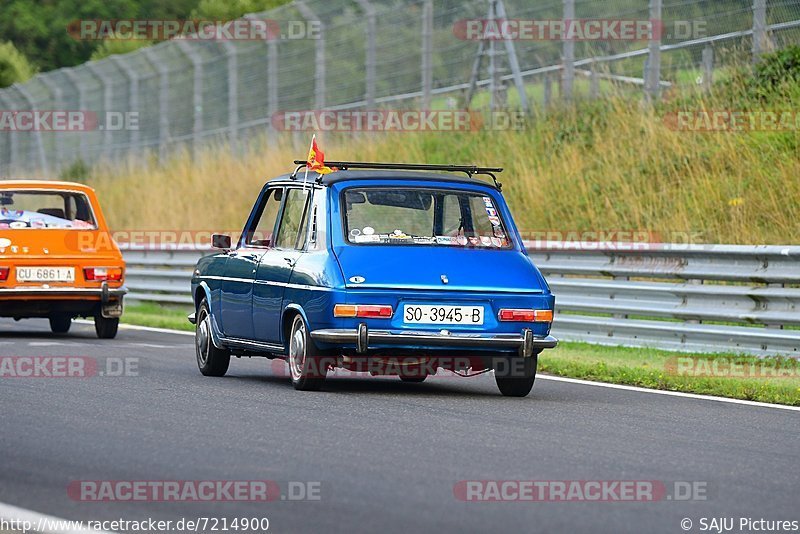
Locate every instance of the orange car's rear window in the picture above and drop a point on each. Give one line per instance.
(45, 209)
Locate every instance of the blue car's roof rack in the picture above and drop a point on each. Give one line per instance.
(469, 170)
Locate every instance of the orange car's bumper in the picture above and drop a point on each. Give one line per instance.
(39, 301)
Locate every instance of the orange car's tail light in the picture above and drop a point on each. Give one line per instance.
(101, 274)
(526, 316)
(4, 273)
(362, 310)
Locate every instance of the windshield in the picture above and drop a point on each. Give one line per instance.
(415, 216)
(45, 209)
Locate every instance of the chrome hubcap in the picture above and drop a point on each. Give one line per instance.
(297, 352)
(202, 338)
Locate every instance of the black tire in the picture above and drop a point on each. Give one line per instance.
(515, 375)
(210, 360)
(307, 364)
(413, 375)
(106, 327)
(59, 324)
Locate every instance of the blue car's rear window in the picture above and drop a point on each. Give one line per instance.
(425, 217)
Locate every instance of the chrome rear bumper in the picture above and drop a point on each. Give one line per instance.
(364, 339)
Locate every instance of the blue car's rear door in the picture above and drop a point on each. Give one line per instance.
(275, 267)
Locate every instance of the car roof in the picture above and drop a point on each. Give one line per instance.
(43, 184)
(378, 174)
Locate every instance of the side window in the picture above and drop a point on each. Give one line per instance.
(451, 216)
(293, 223)
(261, 234)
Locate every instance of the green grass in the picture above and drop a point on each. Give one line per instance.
(659, 369)
(648, 368)
(155, 315)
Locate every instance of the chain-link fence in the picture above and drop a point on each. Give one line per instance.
(369, 55)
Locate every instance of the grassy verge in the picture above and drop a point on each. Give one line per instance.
(146, 314)
(649, 368)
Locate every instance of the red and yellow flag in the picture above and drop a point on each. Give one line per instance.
(316, 159)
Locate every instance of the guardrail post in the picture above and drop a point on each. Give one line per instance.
(427, 51)
(319, 55)
(568, 54)
(759, 28)
(197, 91)
(594, 82)
(653, 74)
(133, 96)
(36, 133)
(163, 99)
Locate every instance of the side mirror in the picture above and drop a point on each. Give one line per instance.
(221, 241)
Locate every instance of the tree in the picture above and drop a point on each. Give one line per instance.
(14, 66)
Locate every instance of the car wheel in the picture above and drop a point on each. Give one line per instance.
(210, 360)
(515, 376)
(59, 324)
(413, 376)
(307, 367)
(106, 327)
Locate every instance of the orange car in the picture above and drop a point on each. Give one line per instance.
(57, 257)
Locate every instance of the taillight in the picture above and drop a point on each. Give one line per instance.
(4, 273)
(362, 310)
(527, 316)
(100, 274)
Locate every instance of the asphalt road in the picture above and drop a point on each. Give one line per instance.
(387, 455)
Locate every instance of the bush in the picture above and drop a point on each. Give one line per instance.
(777, 71)
(14, 66)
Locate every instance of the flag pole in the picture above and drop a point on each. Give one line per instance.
(305, 176)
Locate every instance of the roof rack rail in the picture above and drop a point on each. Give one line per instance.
(469, 170)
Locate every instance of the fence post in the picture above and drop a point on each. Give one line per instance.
(369, 62)
(594, 82)
(568, 60)
(759, 28)
(133, 96)
(653, 74)
(36, 133)
(13, 148)
(233, 92)
(163, 99)
(427, 51)
(708, 67)
(511, 53)
(197, 91)
(319, 58)
(58, 103)
(548, 89)
(75, 81)
(105, 83)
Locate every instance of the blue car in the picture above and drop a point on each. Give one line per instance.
(391, 269)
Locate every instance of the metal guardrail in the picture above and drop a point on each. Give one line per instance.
(699, 298)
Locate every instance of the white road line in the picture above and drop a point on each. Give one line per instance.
(36, 522)
(669, 393)
(562, 379)
(127, 326)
